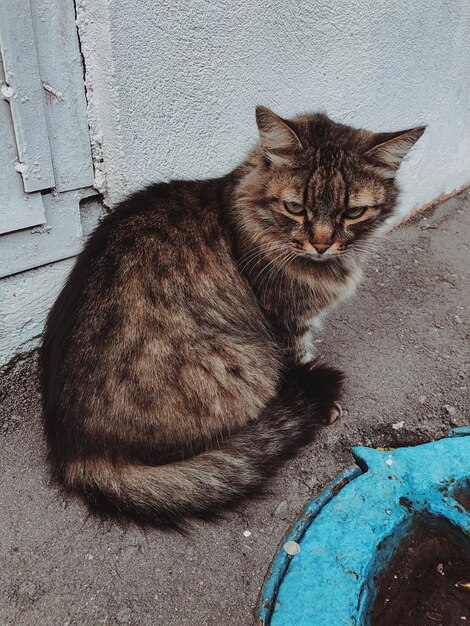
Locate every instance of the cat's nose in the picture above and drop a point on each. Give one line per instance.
(321, 247)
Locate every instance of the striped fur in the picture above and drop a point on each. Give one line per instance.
(176, 365)
(166, 494)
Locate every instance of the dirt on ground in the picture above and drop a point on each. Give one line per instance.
(428, 582)
(403, 343)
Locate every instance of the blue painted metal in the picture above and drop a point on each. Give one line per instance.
(61, 74)
(45, 154)
(17, 208)
(25, 95)
(350, 532)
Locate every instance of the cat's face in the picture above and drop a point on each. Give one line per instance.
(320, 189)
(323, 211)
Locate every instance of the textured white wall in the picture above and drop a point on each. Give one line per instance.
(24, 302)
(187, 75)
(172, 88)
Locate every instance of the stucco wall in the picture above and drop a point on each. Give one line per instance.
(187, 75)
(172, 88)
(25, 300)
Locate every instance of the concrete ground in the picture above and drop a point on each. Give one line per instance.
(403, 342)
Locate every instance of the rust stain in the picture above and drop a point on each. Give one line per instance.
(337, 488)
(406, 502)
(354, 573)
(51, 95)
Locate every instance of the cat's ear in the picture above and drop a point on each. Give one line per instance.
(388, 149)
(278, 140)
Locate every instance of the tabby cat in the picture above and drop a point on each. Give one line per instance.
(178, 363)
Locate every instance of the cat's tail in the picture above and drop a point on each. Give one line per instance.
(168, 494)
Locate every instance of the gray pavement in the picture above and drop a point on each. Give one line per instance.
(403, 342)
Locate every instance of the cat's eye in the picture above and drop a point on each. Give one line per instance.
(293, 207)
(355, 212)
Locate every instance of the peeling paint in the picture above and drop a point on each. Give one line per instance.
(103, 104)
(40, 230)
(52, 94)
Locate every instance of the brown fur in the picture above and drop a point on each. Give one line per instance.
(176, 364)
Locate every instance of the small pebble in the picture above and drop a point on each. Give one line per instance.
(27, 589)
(292, 548)
(124, 616)
(389, 462)
(246, 533)
(398, 425)
(281, 507)
(451, 410)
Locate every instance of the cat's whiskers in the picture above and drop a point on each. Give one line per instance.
(257, 262)
(282, 267)
(258, 248)
(269, 264)
(368, 248)
(250, 257)
(276, 269)
(272, 268)
(260, 253)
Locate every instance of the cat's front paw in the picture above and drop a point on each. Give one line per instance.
(305, 352)
(336, 413)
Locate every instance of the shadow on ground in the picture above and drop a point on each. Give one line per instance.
(402, 342)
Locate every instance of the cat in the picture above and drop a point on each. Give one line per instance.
(178, 365)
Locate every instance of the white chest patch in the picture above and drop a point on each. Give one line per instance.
(305, 343)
